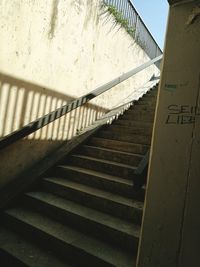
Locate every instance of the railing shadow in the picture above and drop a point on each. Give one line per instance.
(22, 102)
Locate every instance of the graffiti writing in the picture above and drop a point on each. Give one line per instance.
(182, 114)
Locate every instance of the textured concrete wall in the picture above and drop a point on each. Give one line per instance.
(170, 232)
(52, 51)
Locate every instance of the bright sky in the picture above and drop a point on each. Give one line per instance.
(154, 14)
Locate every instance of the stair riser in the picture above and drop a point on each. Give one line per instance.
(146, 108)
(132, 111)
(100, 183)
(94, 181)
(149, 96)
(138, 139)
(129, 130)
(121, 146)
(85, 225)
(8, 260)
(108, 168)
(150, 99)
(146, 103)
(68, 251)
(44, 218)
(142, 118)
(110, 155)
(153, 91)
(131, 123)
(105, 205)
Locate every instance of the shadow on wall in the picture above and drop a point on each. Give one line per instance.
(22, 102)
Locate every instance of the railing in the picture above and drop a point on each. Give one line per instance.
(54, 115)
(19, 185)
(140, 32)
(26, 179)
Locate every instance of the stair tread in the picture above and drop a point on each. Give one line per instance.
(146, 123)
(104, 161)
(99, 174)
(88, 213)
(72, 237)
(106, 131)
(117, 141)
(137, 113)
(119, 145)
(130, 128)
(113, 150)
(96, 192)
(116, 136)
(27, 252)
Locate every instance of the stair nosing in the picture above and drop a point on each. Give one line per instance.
(76, 239)
(113, 150)
(105, 161)
(128, 135)
(97, 173)
(95, 192)
(89, 217)
(24, 247)
(129, 127)
(118, 141)
(137, 121)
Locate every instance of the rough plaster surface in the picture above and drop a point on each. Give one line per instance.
(170, 232)
(52, 51)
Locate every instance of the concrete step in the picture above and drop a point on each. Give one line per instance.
(96, 179)
(143, 108)
(150, 96)
(115, 205)
(153, 92)
(17, 251)
(110, 154)
(107, 228)
(131, 138)
(99, 180)
(146, 102)
(138, 116)
(129, 129)
(140, 112)
(79, 248)
(10, 260)
(119, 145)
(133, 123)
(106, 166)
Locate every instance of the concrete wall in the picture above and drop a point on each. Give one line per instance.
(52, 51)
(171, 232)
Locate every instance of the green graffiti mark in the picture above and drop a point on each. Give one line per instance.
(170, 87)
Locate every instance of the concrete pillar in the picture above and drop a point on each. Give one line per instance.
(171, 224)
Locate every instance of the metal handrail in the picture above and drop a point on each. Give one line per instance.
(141, 33)
(145, 26)
(52, 116)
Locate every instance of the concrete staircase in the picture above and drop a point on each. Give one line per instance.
(85, 211)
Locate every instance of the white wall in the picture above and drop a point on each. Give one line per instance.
(52, 51)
